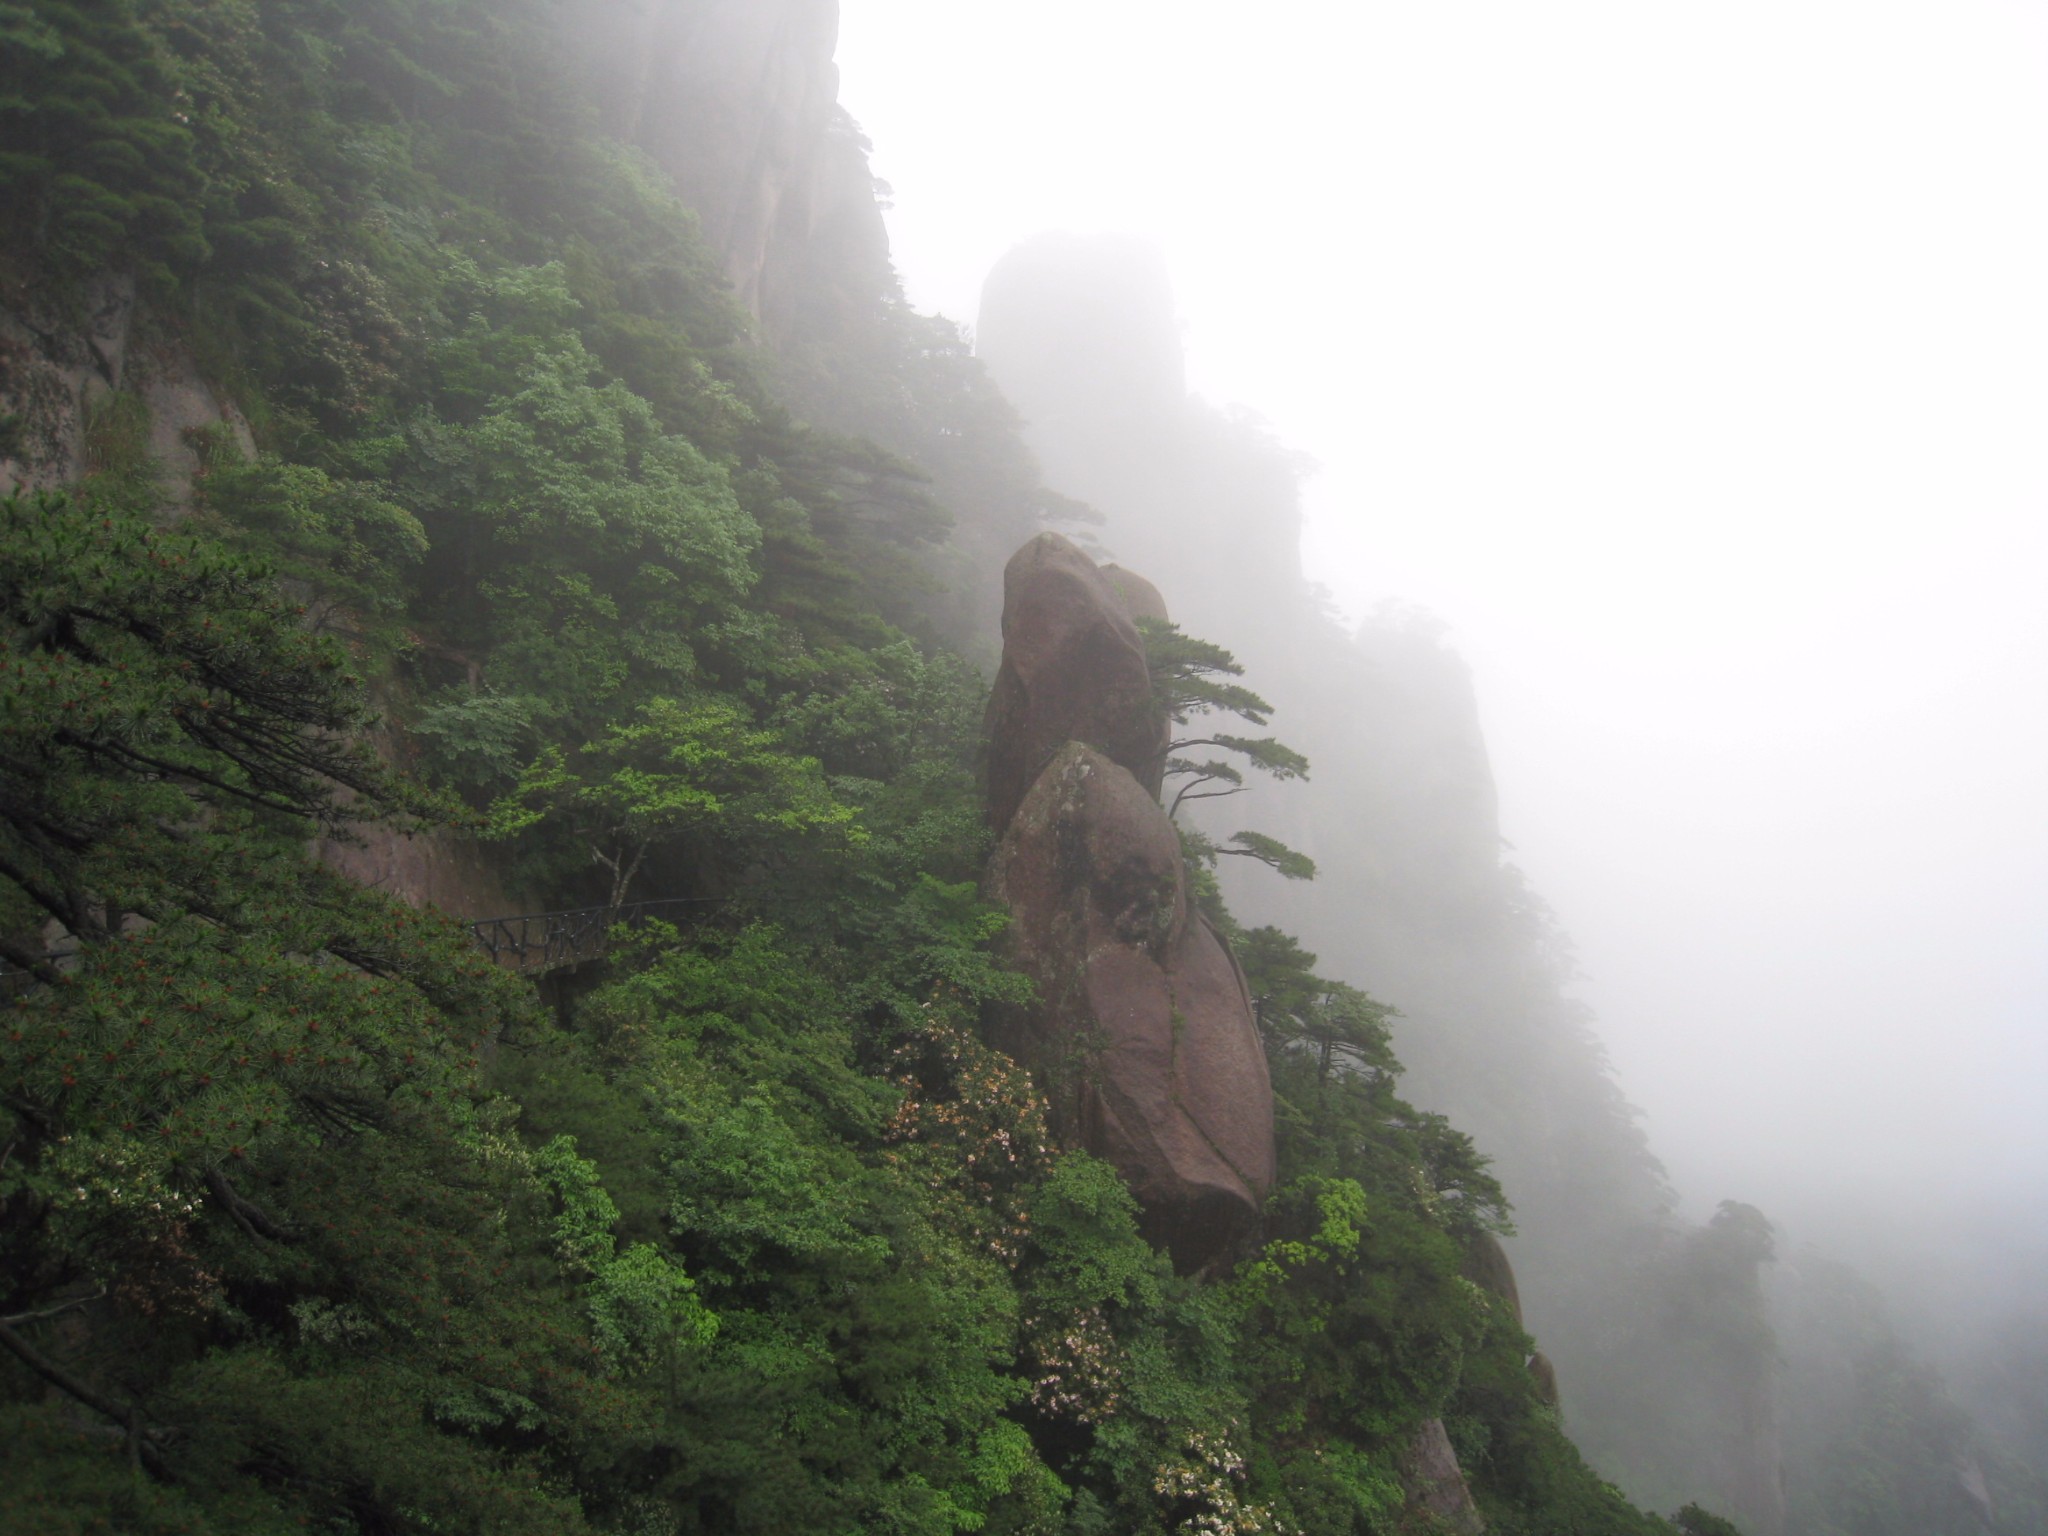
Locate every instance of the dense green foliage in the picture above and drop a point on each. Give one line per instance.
(99, 162)
(251, 1170)
(763, 1239)
(310, 1218)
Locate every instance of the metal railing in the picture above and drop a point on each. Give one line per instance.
(547, 941)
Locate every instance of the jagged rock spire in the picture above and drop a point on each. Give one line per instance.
(1143, 1029)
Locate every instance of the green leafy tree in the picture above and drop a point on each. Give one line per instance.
(695, 779)
(154, 682)
(556, 506)
(96, 164)
(1339, 1025)
(353, 550)
(257, 1220)
(852, 1231)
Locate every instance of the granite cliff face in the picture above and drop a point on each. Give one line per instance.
(1435, 1484)
(1143, 1028)
(63, 364)
(738, 101)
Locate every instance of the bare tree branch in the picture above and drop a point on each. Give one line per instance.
(58, 1310)
(1188, 792)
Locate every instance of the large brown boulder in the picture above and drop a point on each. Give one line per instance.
(1073, 670)
(1434, 1482)
(1486, 1266)
(1143, 1028)
(1141, 599)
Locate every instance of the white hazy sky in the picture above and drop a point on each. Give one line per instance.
(1691, 361)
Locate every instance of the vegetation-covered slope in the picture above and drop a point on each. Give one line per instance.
(309, 1218)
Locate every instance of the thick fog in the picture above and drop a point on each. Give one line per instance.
(1691, 364)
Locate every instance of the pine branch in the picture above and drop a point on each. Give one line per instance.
(142, 1440)
(248, 1215)
(1189, 792)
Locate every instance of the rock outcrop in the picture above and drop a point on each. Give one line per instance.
(62, 364)
(1434, 1481)
(1141, 599)
(433, 868)
(1143, 1029)
(1486, 1266)
(1073, 669)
